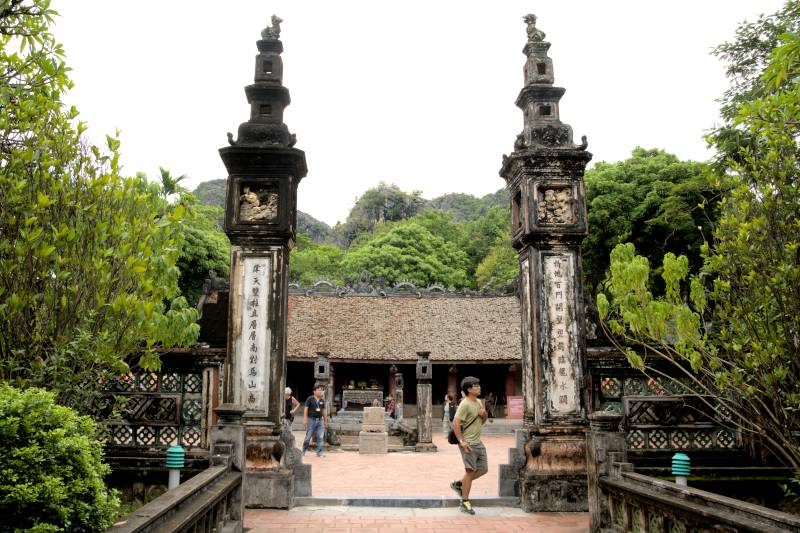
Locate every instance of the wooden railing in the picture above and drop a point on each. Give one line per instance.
(621, 500)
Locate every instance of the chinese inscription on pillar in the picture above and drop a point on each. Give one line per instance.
(560, 344)
(254, 347)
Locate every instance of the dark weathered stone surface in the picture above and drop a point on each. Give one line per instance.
(544, 176)
(260, 217)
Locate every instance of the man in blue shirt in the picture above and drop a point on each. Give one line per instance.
(315, 419)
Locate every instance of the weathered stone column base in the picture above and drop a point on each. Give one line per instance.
(554, 477)
(548, 492)
(370, 442)
(269, 489)
(425, 447)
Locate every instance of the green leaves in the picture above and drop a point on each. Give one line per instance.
(51, 466)
(87, 256)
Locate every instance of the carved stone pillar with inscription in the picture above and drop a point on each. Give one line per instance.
(264, 169)
(544, 175)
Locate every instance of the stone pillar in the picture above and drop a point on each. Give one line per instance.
(228, 445)
(398, 396)
(392, 381)
(544, 176)
(605, 444)
(264, 169)
(424, 403)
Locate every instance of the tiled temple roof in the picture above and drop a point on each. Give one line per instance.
(391, 328)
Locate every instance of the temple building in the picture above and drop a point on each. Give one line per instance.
(370, 334)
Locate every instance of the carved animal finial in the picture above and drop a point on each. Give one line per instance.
(230, 139)
(584, 143)
(519, 143)
(534, 34)
(292, 140)
(274, 31)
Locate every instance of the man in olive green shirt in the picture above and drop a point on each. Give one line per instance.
(467, 423)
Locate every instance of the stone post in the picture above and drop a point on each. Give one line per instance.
(605, 444)
(264, 169)
(398, 396)
(424, 403)
(228, 443)
(544, 177)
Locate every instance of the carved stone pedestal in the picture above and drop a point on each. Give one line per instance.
(370, 442)
(554, 480)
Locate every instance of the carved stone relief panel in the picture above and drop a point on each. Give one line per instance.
(257, 205)
(555, 206)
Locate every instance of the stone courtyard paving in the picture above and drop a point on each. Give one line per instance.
(403, 474)
(399, 520)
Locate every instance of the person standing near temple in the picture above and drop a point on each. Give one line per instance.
(291, 405)
(448, 413)
(467, 423)
(315, 419)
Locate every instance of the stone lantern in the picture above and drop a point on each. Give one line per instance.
(424, 403)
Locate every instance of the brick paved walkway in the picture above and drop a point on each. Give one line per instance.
(406, 474)
(403, 473)
(393, 520)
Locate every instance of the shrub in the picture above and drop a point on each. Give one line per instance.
(51, 467)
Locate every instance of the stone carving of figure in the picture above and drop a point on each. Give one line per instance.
(274, 31)
(534, 35)
(251, 208)
(556, 207)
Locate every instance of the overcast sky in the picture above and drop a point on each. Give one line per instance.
(416, 93)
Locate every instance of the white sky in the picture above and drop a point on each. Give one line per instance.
(416, 93)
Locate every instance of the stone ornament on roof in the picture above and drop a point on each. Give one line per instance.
(274, 31)
(535, 35)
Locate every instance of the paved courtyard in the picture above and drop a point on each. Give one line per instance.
(402, 473)
(394, 520)
(407, 474)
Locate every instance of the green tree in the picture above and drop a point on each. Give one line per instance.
(737, 323)
(408, 252)
(500, 266)
(481, 234)
(87, 257)
(652, 199)
(204, 247)
(170, 185)
(384, 203)
(51, 467)
(311, 262)
(746, 58)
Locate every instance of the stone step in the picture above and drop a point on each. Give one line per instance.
(418, 502)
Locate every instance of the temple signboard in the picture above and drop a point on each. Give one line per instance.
(254, 356)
